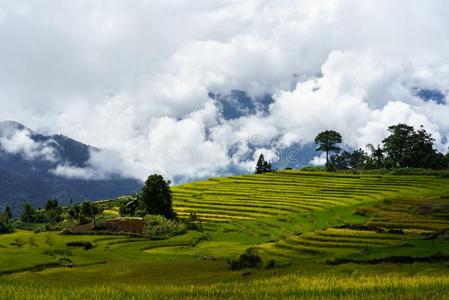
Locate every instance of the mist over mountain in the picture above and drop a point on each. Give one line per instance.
(35, 167)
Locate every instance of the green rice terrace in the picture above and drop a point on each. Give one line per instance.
(318, 234)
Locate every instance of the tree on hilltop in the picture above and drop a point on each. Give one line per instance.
(328, 141)
(263, 166)
(405, 147)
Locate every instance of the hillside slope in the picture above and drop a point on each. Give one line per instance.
(320, 235)
(27, 163)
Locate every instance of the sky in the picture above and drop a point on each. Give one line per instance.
(135, 78)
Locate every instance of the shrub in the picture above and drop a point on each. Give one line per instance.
(249, 259)
(83, 244)
(199, 239)
(193, 222)
(65, 261)
(271, 264)
(5, 227)
(158, 227)
(63, 252)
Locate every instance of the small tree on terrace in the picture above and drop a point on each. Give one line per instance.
(328, 141)
(156, 197)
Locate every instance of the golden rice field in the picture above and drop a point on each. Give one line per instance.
(292, 217)
(352, 286)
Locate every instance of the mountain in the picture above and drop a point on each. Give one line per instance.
(237, 104)
(28, 161)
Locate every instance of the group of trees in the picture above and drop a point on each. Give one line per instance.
(83, 212)
(53, 212)
(404, 147)
(155, 198)
(50, 214)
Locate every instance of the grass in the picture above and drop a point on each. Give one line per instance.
(351, 286)
(290, 216)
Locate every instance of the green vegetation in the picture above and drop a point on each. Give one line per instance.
(159, 228)
(405, 147)
(286, 234)
(328, 141)
(263, 166)
(154, 199)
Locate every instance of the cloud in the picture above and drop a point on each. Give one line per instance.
(73, 172)
(19, 142)
(133, 78)
(318, 160)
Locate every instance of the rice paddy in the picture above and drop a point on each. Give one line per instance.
(301, 220)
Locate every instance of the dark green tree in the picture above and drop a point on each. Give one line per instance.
(328, 141)
(263, 166)
(74, 212)
(6, 215)
(376, 159)
(398, 145)
(28, 214)
(355, 160)
(156, 197)
(406, 147)
(89, 210)
(53, 211)
(51, 204)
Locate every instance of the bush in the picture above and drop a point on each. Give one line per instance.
(199, 239)
(63, 252)
(84, 244)
(193, 222)
(271, 264)
(158, 227)
(65, 261)
(5, 227)
(249, 259)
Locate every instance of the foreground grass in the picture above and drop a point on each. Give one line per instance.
(386, 286)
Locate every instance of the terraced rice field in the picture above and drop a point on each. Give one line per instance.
(277, 195)
(298, 209)
(292, 217)
(341, 241)
(270, 195)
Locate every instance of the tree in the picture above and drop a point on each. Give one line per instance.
(328, 141)
(398, 145)
(156, 197)
(263, 166)
(28, 213)
(6, 215)
(74, 212)
(406, 147)
(51, 204)
(348, 160)
(376, 159)
(89, 210)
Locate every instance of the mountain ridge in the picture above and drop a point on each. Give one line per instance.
(27, 162)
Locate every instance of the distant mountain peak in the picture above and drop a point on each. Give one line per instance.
(28, 161)
(11, 124)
